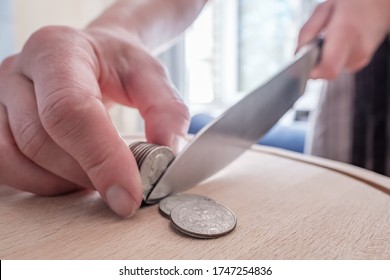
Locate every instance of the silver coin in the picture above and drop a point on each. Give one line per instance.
(152, 160)
(133, 145)
(153, 165)
(141, 151)
(144, 152)
(203, 219)
(139, 148)
(168, 203)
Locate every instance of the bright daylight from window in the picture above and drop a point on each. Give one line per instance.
(235, 45)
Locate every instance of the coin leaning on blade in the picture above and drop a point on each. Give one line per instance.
(168, 203)
(152, 161)
(194, 215)
(202, 218)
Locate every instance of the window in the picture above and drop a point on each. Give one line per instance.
(236, 45)
(233, 46)
(6, 36)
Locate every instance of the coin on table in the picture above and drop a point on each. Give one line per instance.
(203, 219)
(168, 203)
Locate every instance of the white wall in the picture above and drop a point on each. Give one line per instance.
(30, 15)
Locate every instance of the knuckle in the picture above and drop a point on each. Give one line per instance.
(181, 109)
(328, 71)
(63, 111)
(96, 163)
(344, 24)
(30, 138)
(51, 43)
(365, 53)
(8, 64)
(50, 33)
(350, 28)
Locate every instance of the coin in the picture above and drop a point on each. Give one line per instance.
(152, 161)
(153, 166)
(194, 215)
(168, 203)
(203, 219)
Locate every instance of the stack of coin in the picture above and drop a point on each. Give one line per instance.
(152, 161)
(198, 216)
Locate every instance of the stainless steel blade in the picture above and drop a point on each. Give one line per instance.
(238, 128)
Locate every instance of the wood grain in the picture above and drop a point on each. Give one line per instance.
(288, 206)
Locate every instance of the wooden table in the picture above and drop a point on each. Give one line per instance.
(288, 206)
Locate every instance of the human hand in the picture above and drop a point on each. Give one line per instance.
(353, 31)
(56, 135)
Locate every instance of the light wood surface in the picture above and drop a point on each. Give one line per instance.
(288, 206)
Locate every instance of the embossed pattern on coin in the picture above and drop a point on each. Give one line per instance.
(168, 203)
(152, 160)
(203, 219)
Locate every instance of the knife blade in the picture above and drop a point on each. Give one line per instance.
(236, 130)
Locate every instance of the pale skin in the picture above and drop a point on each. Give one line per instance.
(56, 135)
(353, 30)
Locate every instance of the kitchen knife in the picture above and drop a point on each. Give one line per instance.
(236, 130)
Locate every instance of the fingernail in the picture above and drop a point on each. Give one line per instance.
(121, 202)
(179, 143)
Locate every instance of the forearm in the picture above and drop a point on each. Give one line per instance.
(154, 22)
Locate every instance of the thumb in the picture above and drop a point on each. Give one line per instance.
(71, 111)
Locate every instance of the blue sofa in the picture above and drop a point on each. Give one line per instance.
(290, 137)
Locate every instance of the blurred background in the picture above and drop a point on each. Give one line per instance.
(232, 47)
